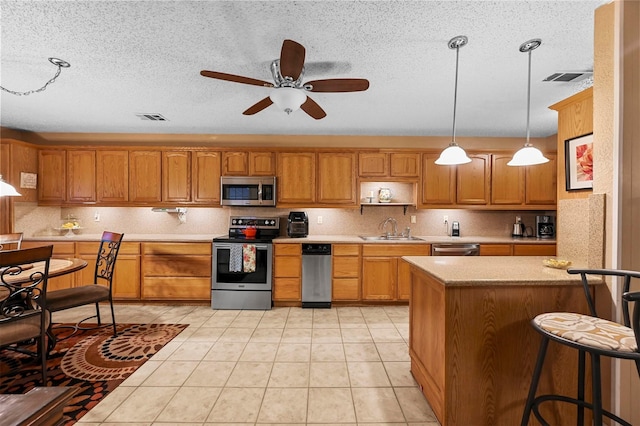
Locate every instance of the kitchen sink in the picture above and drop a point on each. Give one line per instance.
(389, 238)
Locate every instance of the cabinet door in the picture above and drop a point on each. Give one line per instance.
(473, 180)
(81, 176)
(126, 277)
(337, 178)
(206, 177)
(438, 182)
(496, 249)
(404, 164)
(373, 164)
(379, 275)
(507, 182)
(235, 163)
(52, 168)
(112, 176)
(534, 249)
(176, 176)
(296, 177)
(262, 164)
(404, 280)
(145, 176)
(541, 182)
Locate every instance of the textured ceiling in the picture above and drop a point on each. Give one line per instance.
(131, 57)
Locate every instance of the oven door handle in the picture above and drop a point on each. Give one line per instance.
(229, 245)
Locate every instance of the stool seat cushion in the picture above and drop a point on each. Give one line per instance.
(588, 331)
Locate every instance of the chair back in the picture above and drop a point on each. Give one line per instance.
(25, 296)
(107, 255)
(11, 241)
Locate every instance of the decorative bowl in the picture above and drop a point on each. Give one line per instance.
(556, 263)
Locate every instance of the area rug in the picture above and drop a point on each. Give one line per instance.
(93, 361)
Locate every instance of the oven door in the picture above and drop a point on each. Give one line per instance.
(224, 279)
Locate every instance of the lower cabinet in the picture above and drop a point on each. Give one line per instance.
(534, 249)
(61, 250)
(176, 271)
(287, 273)
(345, 283)
(382, 278)
(126, 273)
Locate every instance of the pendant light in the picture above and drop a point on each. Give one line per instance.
(454, 154)
(7, 190)
(528, 155)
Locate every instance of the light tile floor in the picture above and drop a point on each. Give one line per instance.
(293, 366)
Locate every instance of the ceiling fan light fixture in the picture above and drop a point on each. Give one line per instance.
(7, 190)
(528, 155)
(288, 99)
(454, 154)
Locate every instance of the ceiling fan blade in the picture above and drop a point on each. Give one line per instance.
(313, 109)
(339, 85)
(291, 59)
(235, 78)
(259, 106)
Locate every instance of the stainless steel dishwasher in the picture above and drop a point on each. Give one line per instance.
(316, 275)
(455, 249)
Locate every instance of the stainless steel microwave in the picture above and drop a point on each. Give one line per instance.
(248, 191)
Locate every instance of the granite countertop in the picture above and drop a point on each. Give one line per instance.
(494, 270)
(336, 239)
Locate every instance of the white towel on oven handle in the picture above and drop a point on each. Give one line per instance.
(235, 258)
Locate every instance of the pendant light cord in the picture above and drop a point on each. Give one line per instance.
(528, 100)
(455, 97)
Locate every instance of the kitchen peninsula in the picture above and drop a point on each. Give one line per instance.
(471, 344)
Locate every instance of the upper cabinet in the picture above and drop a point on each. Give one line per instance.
(205, 177)
(176, 176)
(112, 176)
(296, 178)
(438, 182)
(145, 176)
(473, 185)
(382, 164)
(507, 182)
(336, 178)
(248, 163)
(52, 174)
(541, 182)
(523, 186)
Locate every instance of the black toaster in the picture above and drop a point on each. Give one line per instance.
(298, 225)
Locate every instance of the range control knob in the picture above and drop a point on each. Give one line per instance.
(239, 221)
(233, 221)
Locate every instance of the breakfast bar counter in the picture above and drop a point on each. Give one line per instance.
(471, 344)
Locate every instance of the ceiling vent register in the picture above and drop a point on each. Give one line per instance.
(151, 117)
(569, 77)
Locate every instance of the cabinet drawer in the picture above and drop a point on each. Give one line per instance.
(177, 248)
(287, 266)
(396, 250)
(287, 249)
(495, 249)
(534, 249)
(177, 266)
(60, 249)
(92, 248)
(346, 267)
(345, 289)
(286, 289)
(173, 289)
(346, 249)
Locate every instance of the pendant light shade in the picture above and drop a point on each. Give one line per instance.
(528, 155)
(288, 99)
(454, 154)
(7, 190)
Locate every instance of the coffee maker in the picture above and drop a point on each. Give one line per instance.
(298, 225)
(545, 227)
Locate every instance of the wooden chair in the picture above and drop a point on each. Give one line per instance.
(11, 241)
(94, 293)
(588, 334)
(23, 306)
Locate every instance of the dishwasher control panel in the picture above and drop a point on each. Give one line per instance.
(316, 249)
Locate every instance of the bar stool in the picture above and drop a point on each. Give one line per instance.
(588, 334)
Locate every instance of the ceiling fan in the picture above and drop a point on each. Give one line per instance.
(289, 91)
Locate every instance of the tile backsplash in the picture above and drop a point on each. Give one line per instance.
(36, 221)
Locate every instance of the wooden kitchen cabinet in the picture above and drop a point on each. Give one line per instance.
(287, 273)
(145, 176)
(382, 279)
(262, 164)
(541, 182)
(534, 249)
(205, 177)
(296, 178)
(61, 250)
(373, 164)
(336, 178)
(507, 182)
(52, 174)
(346, 265)
(126, 273)
(473, 180)
(235, 163)
(176, 176)
(81, 176)
(112, 176)
(404, 164)
(496, 249)
(395, 164)
(438, 182)
(176, 271)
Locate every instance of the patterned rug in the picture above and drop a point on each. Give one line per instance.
(93, 361)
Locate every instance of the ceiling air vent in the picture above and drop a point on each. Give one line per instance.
(151, 117)
(566, 77)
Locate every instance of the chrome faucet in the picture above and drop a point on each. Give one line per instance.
(394, 226)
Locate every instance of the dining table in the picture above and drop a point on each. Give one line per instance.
(57, 267)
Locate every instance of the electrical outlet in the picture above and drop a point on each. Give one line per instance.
(96, 217)
(413, 218)
(320, 220)
(446, 218)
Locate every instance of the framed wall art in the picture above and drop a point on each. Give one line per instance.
(578, 155)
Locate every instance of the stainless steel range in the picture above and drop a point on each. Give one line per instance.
(242, 264)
